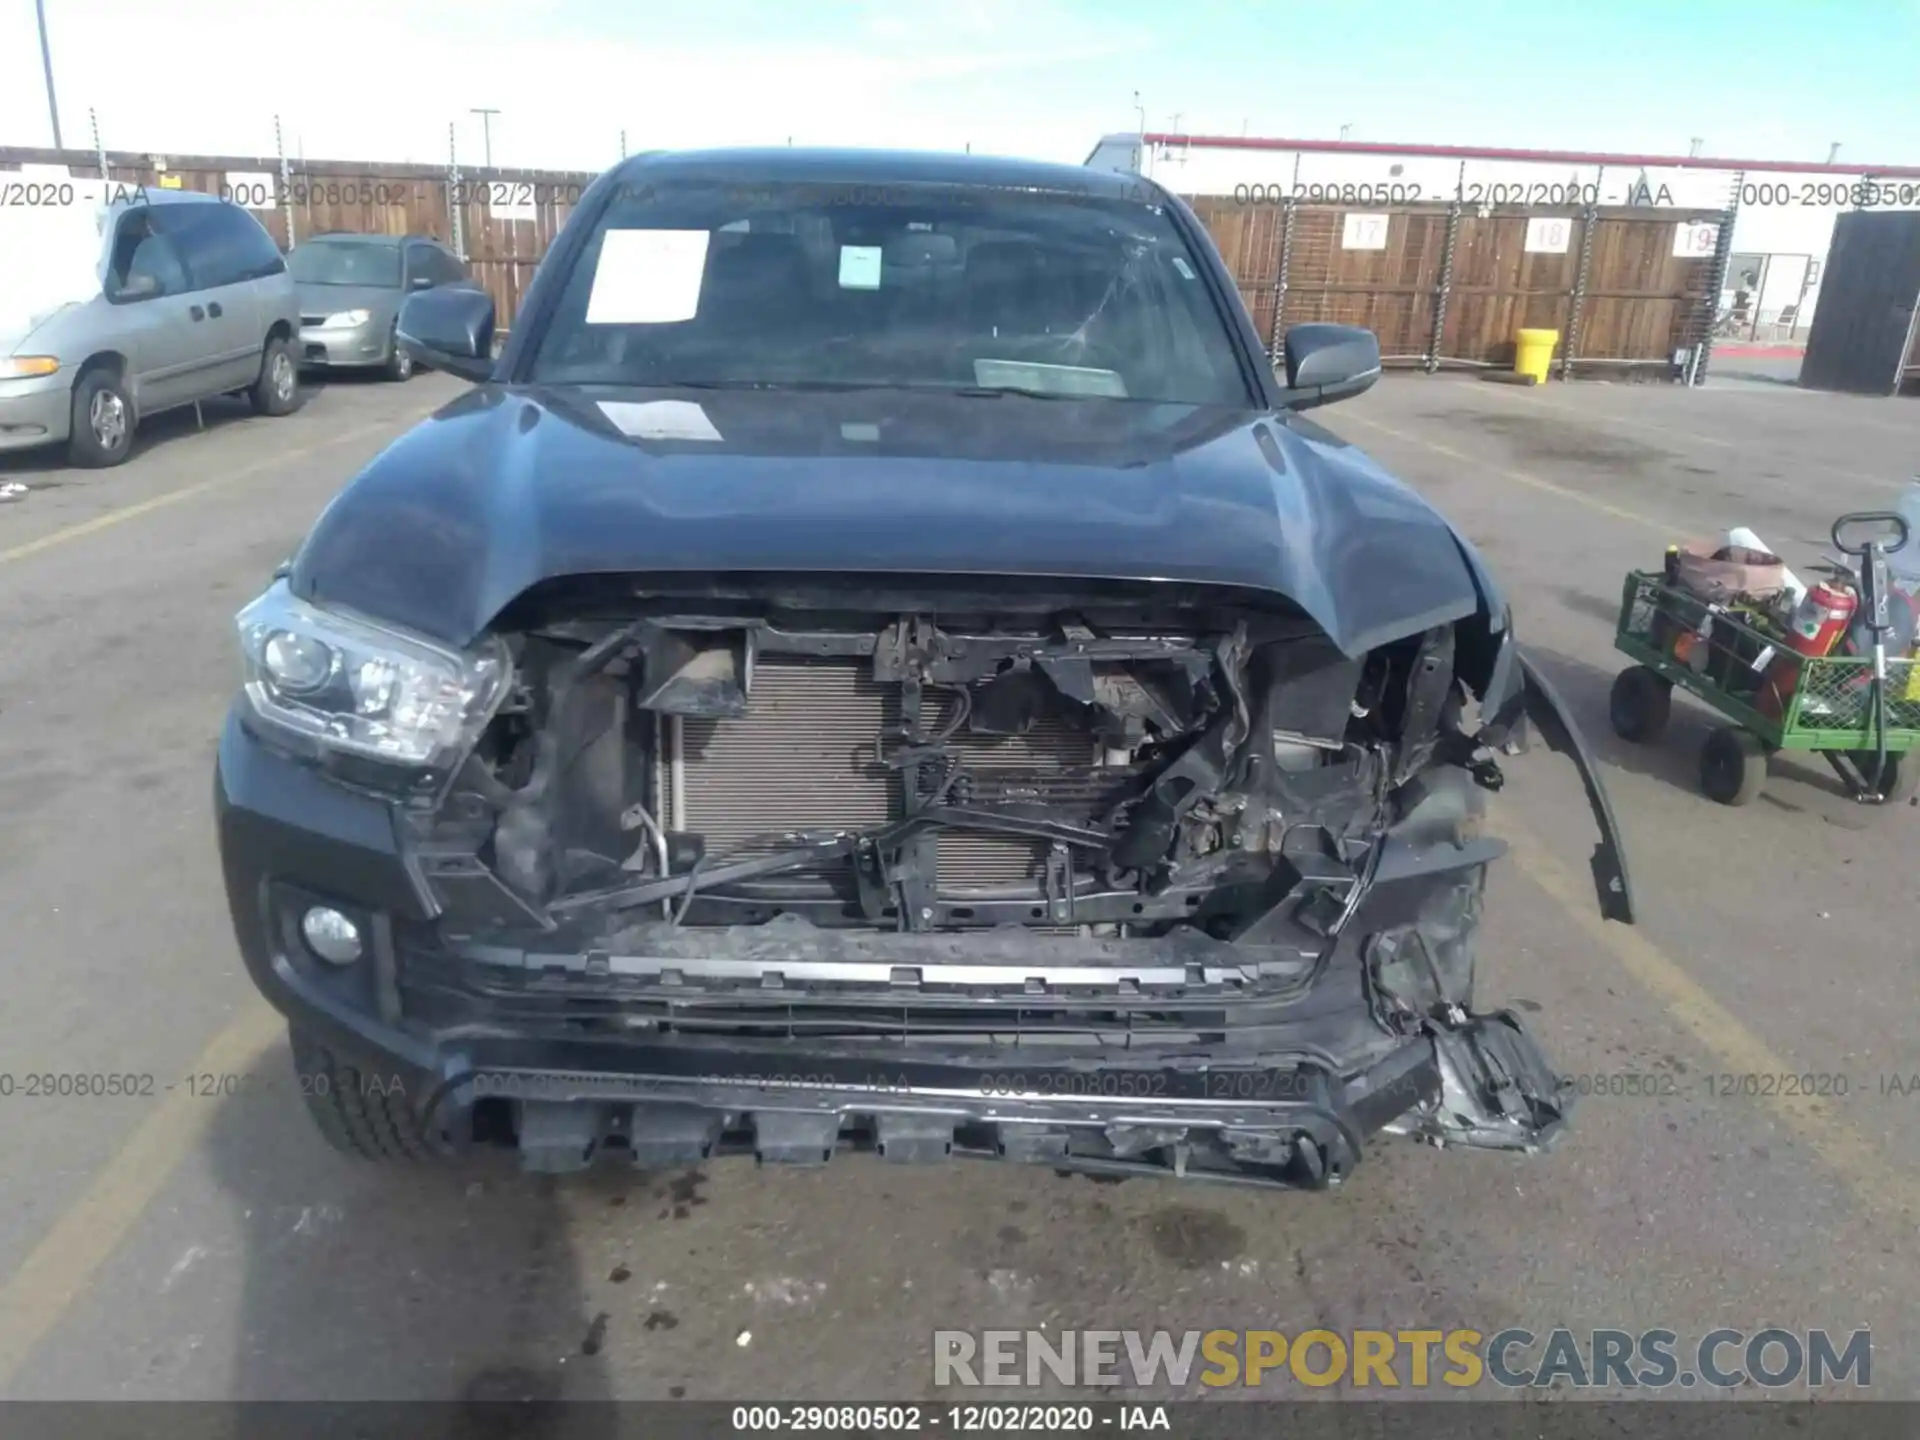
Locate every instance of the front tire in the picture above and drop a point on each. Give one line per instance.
(1733, 765)
(102, 423)
(362, 1110)
(277, 391)
(1905, 778)
(399, 363)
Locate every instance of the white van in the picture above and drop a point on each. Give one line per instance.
(131, 301)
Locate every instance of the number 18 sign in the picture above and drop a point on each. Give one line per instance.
(1548, 234)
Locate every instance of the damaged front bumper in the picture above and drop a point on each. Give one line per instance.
(1264, 1064)
(1293, 1125)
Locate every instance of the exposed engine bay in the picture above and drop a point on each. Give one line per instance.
(1110, 836)
(941, 761)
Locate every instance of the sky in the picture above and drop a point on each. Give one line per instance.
(378, 80)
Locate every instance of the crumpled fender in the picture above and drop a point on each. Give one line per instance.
(1555, 724)
(1512, 693)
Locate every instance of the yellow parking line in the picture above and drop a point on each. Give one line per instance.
(64, 1262)
(1851, 1154)
(1859, 1162)
(1520, 477)
(201, 487)
(62, 1265)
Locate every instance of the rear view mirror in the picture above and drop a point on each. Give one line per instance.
(1326, 363)
(449, 329)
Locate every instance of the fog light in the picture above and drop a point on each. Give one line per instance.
(331, 935)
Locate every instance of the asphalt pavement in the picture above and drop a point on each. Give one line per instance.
(201, 1243)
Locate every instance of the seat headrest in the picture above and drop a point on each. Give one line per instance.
(753, 272)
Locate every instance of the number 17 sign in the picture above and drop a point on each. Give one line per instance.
(1363, 232)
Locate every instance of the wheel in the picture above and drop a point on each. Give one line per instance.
(399, 363)
(1905, 779)
(1640, 704)
(103, 421)
(1733, 765)
(360, 1109)
(277, 391)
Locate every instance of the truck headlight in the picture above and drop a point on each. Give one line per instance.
(350, 685)
(345, 320)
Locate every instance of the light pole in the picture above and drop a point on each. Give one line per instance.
(46, 66)
(486, 132)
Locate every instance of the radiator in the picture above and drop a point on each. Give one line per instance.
(802, 758)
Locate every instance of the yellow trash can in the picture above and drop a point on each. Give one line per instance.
(1533, 353)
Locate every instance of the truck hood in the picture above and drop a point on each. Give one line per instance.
(508, 486)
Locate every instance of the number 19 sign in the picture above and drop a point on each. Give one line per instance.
(1695, 241)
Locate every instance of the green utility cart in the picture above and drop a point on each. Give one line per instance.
(1736, 661)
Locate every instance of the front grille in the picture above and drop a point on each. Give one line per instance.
(803, 757)
(1204, 1015)
(312, 320)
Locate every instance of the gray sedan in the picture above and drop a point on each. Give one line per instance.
(350, 289)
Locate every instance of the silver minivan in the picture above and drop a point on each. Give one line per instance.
(138, 302)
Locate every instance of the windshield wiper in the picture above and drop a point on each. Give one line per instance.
(714, 385)
(854, 387)
(995, 391)
(835, 387)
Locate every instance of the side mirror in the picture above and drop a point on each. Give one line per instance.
(449, 329)
(1326, 363)
(421, 282)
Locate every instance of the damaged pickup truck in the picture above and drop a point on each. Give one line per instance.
(880, 661)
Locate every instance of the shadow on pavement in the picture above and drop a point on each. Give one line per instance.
(1796, 782)
(1787, 374)
(155, 432)
(317, 382)
(45, 467)
(365, 1282)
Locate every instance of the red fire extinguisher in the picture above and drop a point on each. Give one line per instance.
(1819, 620)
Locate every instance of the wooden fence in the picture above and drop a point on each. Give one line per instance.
(501, 220)
(1439, 283)
(1449, 284)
